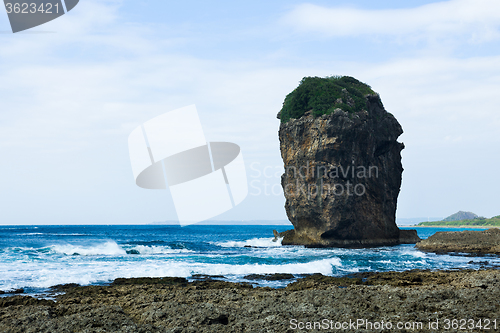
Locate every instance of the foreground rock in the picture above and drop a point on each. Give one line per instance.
(342, 169)
(174, 305)
(486, 241)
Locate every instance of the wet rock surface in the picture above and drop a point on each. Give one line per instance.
(216, 306)
(476, 242)
(342, 178)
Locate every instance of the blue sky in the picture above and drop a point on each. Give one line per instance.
(73, 89)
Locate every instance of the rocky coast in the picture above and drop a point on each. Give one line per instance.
(477, 242)
(417, 300)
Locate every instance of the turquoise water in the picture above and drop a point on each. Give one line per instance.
(37, 257)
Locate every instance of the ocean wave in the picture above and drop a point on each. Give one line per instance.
(414, 253)
(420, 262)
(354, 269)
(44, 275)
(324, 266)
(293, 252)
(108, 248)
(30, 233)
(382, 261)
(56, 234)
(254, 242)
(150, 242)
(153, 249)
(48, 234)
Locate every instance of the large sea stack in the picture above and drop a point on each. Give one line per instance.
(342, 166)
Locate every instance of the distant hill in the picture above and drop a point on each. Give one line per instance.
(477, 222)
(461, 216)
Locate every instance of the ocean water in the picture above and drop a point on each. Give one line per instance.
(37, 257)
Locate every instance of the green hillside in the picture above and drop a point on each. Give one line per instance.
(477, 222)
(462, 216)
(324, 95)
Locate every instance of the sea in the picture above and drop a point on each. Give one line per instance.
(34, 258)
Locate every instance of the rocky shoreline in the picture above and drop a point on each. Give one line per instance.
(208, 305)
(478, 242)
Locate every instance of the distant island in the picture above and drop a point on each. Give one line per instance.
(464, 219)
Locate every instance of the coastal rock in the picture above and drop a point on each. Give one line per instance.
(486, 241)
(343, 175)
(270, 277)
(415, 297)
(23, 300)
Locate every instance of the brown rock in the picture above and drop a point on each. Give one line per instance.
(342, 178)
(486, 241)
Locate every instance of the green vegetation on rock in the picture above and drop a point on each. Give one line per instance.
(477, 222)
(324, 95)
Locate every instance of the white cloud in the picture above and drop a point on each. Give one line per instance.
(478, 19)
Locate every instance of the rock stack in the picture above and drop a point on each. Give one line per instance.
(342, 168)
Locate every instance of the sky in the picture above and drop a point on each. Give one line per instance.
(73, 89)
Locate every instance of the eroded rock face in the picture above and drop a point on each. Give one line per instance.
(342, 178)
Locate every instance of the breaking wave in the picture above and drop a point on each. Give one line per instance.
(254, 242)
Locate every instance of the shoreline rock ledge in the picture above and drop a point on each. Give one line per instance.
(468, 241)
(342, 166)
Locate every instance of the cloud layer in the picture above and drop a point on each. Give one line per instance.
(478, 19)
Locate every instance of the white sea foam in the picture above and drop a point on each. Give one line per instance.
(383, 261)
(413, 263)
(254, 242)
(45, 274)
(48, 234)
(153, 249)
(319, 266)
(108, 248)
(56, 234)
(294, 252)
(414, 253)
(353, 269)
